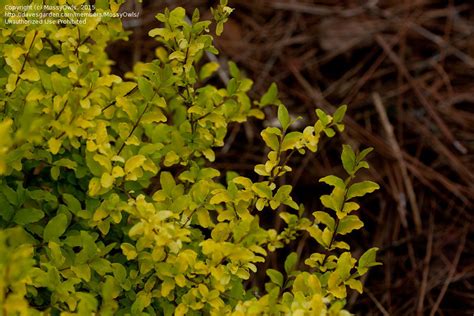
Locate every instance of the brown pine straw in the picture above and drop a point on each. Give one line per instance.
(399, 156)
(406, 70)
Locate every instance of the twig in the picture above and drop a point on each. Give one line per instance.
(303, 8)
(429, 108)
(377, 303)
(426, 269)
(399, 156)
(452, 271)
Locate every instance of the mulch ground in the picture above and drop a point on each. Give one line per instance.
(406, 70)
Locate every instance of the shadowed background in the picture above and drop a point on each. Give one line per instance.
(406, 70)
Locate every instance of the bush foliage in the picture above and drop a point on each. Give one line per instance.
(109, 204)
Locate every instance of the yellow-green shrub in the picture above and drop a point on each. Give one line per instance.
(108, 200)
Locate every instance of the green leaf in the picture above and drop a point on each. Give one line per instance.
(348, 159)
(344, 265)
(260, 204)
(270, 97)
(275, 276)
(142, 301)
(325, 218)
(87, 304)
(283, 193)
(290, 262)
(291, 141)
(283, 116)
(61, 85)
(367, 260)
(153, 116)
(323, 117)
(234, 70)
(82, 271)
(361, 156)
(67, 163)
(6, 209)
(270, 139)
(94, 186)
(171, 158)
(328, 201)
(361, 188)
(339, 114)
(348, 224)
(176, 17)
(123, 88)
(58, 60)
(329, 132)
(180, 56)
(146, 88)
(219, 28)
(262, 190)
(291, 203)
(350, 206)
(10, 194)
(129, 251)
(73, 203)
(354, 284)
(55, 227)
(327, 237)
(208, 69)
(27, 216)
(334, 181)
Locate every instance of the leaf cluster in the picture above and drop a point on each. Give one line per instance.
(109, 203)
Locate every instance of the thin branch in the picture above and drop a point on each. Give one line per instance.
(399, 156)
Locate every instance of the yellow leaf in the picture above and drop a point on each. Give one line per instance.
(133, 140)
(108, 80)
(117, 172)
(129, 251)
(180, 280)
(167, 286)
(203, 290)
(181, 310)
(94, 186)
(34, 95)
(3, 167)
(134, 162)
(106, 180)
(11, 84)
(162, 54)
(155, 116)
(327, 236)
(90, 145)
(54, 145)
(100, 214)
(14, 64)
(31, 74)
(85, 103)
(56, 60)
(171, 158)
(355, 285)
(209, 154)
(208, 69)
(33, 34)
(104, 161)
(83, 271)
(15, 52)
(150, 166)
